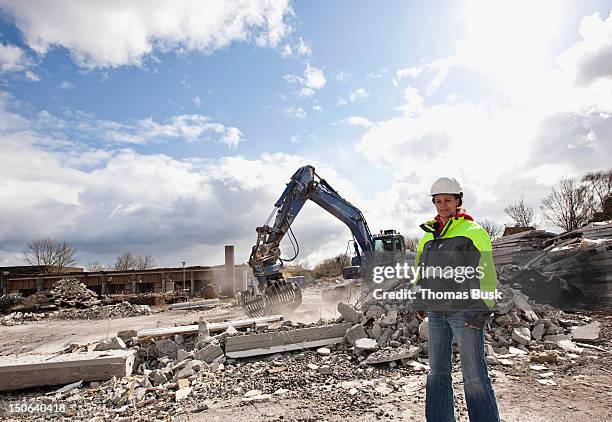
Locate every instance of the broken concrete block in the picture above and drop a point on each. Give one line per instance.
(166, 347)
(516, 351)
(251, 393)
(366, 344)
(231, 331)
(114, 343)
(391, 355)
(522, 305)
(350, 313)
(203, 332)
(390, 318)
(589, 332)
(355, 333)
(188, 368)
(386, 335)
(323, 351)
(126, 334)
(521, 335)
(375, 311)
(182, 383)
(209, 353)
(182, 355)
(158, 377)
(377, 331)
(569, 346)
(182, 393)
(538, 331)
(554, 338)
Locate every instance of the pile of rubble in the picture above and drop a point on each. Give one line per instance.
(570, 271)
(517, 327)
(119, 310)
(517, 248)
(18, 318)
(66, 293)
(372, 353)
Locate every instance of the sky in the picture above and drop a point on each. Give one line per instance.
(171, 128)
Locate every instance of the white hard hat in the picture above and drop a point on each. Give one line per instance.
(446, 185)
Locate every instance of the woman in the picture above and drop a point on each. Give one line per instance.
(454, 305)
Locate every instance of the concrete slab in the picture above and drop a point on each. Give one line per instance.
(24, 371)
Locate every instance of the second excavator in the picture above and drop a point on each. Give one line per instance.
(273, 293)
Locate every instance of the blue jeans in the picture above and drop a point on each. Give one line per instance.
(479, 394)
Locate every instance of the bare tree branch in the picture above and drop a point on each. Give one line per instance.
(128, 261)
(568, 206)
(522, 213)
(95, 266)
(51, 254)
(492, 229)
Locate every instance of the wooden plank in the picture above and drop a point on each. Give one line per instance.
(25, 371)
(212, 327)
(273, 340)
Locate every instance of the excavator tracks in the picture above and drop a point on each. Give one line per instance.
(279, 297)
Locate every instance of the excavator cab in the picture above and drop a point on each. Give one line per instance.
(389, 249)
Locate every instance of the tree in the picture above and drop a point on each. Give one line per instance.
(128, 261)
(599, 185)
(521, 212)
(331, 267)
(568, 206)
(492, 229)
(50, 254)
(95, 266)
(412, 243)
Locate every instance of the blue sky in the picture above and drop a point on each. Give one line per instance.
(172, 130)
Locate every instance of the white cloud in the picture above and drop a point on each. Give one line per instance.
(188, 127)
(286, 50)
(358, 94)
(414, 102)
(341, 102)
(12, 58)
(358, 121)
(197, 101)
(312, 81)
(32, 76)
(591, 58)
(411, 72)
(301, 48)
(297, 112)
(317, 108)
(112, 207)
(343, 76)
(65, 85)
(295, 139)
(551, 126)
(377, 75)
(111, 34)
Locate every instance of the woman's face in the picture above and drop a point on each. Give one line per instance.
(446, 204)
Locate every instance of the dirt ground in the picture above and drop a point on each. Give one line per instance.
(583, 390)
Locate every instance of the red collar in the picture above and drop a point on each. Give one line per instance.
(440, 225)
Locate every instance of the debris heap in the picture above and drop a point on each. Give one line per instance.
(572, 270)
(119, 310)
(67, 293)
(517, 248)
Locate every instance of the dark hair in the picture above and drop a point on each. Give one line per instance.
(457, 196)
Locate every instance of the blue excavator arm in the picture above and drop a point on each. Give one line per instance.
(265, 260)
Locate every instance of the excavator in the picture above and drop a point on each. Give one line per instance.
(272, 293)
